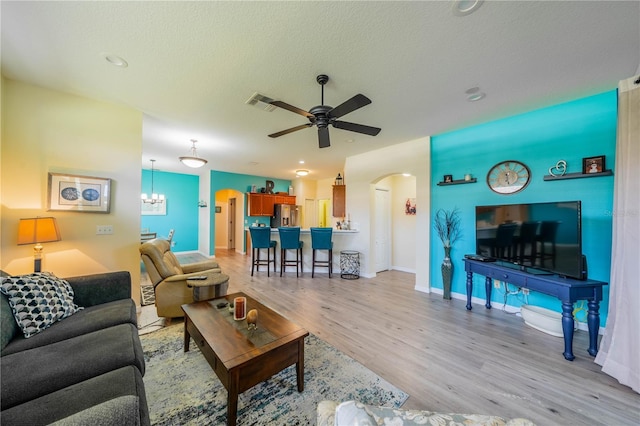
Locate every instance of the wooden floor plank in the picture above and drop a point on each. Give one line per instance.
(447, 358)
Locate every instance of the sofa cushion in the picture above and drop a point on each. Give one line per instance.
(38, 300)
(120, 392)
(36, 372)
(85, 321)
(8, 326)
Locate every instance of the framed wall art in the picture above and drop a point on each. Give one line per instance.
(593, 164)
(153, 209)
(85, 194)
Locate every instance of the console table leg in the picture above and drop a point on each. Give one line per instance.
(593, 322)
(469, 289)
(567, 330)
(488, 282)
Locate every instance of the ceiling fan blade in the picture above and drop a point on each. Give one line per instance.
(353, 127)
(358, 101)
(323, 137)
(291, 130)
(291, 108)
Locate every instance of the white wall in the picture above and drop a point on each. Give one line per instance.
(363, 171)
(403, 231)
(47, 131)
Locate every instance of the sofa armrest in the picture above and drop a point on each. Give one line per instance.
(95, 289)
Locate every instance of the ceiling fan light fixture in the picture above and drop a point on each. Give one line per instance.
(193, 160)
(302, 172)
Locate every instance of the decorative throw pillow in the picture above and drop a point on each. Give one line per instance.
(38, 300)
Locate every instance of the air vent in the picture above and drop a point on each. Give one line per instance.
(261, 101)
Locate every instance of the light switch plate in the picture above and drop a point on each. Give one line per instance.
(104, 229)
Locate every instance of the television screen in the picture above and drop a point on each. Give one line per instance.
(539, 237)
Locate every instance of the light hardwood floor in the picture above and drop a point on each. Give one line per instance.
(446, 358)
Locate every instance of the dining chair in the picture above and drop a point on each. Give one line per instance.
(261, 239)
(321, 240)
(290, 240)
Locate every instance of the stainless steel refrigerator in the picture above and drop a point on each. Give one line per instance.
(285, 215)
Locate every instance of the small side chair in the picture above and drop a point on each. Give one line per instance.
(321, 240)
(290, 240)
(261, 239)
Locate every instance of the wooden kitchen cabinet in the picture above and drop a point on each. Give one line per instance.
(339, 200)
(260, 204)
(286, 199)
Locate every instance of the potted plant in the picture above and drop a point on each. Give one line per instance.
(447, 226)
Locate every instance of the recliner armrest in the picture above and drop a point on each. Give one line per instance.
(203, 266)
(184, 277)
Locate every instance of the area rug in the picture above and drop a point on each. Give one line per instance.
(182, 389)
(148, 296)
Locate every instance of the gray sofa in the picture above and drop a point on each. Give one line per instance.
(84, 369)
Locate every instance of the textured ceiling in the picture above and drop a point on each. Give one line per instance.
(192, 66)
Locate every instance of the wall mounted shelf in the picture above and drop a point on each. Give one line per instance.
(458, 182)
(578, 175)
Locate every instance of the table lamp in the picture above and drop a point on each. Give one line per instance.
(35, 231)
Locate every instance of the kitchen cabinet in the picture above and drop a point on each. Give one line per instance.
(285, 199)
(260, 204)
(339, 200)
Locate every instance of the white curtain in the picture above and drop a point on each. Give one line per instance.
(619, 353)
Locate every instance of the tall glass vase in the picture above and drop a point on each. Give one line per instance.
(447, 273)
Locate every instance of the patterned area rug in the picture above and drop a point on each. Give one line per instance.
(148, 296)
(182, 389)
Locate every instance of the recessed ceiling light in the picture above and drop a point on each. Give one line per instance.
(116, 60)
(301, 161)
(465, 7)
(406, 174)
(302, 172)
(474, 94)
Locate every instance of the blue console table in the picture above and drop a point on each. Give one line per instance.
(568, 290)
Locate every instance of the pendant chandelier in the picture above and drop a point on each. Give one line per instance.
(155, 198)
(193, 160)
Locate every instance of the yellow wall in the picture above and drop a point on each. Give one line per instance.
(47, 131)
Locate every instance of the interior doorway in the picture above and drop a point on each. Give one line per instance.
(232, 224)
(382, 236)
(323, 214)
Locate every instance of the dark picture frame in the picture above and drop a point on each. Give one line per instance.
(448, 178)
(595, 164)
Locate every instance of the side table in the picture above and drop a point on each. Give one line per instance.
(349, 265)
(215, 285)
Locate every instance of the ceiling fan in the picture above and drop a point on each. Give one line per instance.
(323, 115)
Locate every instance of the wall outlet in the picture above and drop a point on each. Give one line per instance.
(496, 283)
(525, 291)
(104, 229)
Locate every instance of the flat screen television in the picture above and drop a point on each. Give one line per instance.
(536, 237)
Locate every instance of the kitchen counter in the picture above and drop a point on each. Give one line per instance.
(341, 241)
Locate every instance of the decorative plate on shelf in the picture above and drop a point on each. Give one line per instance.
(508, 177)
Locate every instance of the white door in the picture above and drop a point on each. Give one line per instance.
(382, 231)
(310, 217)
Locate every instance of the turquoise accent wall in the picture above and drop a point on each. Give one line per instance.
(243, 184)
(181, 192)
(570, 131)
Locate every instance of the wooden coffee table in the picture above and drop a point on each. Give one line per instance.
(242, 358)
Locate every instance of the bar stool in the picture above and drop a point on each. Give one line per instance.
(261, 239)
(290, 240)
(321, 240)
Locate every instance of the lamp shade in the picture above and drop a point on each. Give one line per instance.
(193, 162)
(38, 230)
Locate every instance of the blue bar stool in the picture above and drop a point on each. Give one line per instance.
(261, 239)
(290, 240)
(321, 240)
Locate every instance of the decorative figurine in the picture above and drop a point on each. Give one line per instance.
(252, 319)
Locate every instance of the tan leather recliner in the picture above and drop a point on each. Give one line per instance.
(169, 277)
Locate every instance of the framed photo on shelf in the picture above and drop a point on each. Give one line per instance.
(593, 164)
(448, 178)
(76, 193)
